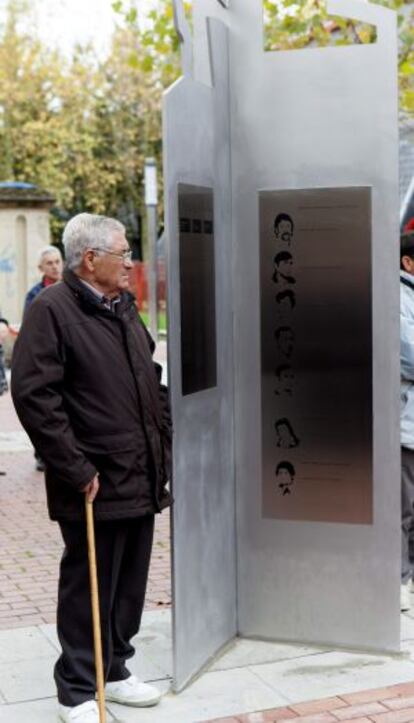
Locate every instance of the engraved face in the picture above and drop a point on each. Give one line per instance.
(286, 299)
(284, 231)
(285, 380)
(285, 340)
(283, 273)
(283, 228)
(285, 477)
(285, 436)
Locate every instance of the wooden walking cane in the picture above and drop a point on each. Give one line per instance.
(96, 618)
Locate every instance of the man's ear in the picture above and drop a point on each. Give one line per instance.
(89, 260)
(407, 264)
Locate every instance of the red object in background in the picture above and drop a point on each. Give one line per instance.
(138, 284)
(410, 225)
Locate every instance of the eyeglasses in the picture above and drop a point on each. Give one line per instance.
(124, 255)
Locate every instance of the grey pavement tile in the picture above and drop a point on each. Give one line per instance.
(153, 658)
(27, 679)
(38, 711)
(24, 644)
(49, 631)
(333, 673)
(154, 640)
(14, 442)
(407, 648)
(244, 652)
(407, 627)
(216, 694)
(151, 617)
(144, 668)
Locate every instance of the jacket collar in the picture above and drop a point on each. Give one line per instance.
(90, 301)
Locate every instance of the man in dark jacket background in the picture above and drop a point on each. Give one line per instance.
(50, 265)
(4, 331)
(89, 395)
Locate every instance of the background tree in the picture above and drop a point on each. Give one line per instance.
(81, 127)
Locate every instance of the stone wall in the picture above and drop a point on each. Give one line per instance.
(23, 232)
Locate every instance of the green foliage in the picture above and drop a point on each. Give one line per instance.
(78, 128)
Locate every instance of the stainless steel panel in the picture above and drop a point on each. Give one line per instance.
(321, 118)
(197, 153)
(316, 342)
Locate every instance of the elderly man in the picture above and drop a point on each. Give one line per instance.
(50, 265)
(89, 395)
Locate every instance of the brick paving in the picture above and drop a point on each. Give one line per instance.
(394, 704)
(30, 545)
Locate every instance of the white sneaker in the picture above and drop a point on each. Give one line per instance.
(405, 602)
(132, 692)
(87, 712)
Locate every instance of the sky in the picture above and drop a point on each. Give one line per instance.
(63, 23)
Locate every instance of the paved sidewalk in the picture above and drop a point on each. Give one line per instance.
(251, 682)
(31, 546)
(394, 704)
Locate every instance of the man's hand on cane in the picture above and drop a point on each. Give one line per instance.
(92, 489)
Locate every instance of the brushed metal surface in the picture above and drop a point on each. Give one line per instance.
(197, 154)
(323, 118)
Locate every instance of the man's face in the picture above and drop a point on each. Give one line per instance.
(284, 434)
(51, 266)
(285, 481)
(286, 342)
(4, 332)
(284, 476)
(286, 379)
(284, 231)
(285, 268)
(408, 264)
(111, 269)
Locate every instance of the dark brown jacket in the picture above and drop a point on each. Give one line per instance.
(89, 395)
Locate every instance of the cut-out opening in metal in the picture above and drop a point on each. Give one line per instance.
(301, 25)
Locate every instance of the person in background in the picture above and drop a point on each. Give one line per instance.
(4, 331)
(50, 265)
(407, 414)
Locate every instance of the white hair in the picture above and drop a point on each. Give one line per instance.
(45, 251)
(86, 231)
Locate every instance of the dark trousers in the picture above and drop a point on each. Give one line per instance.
(3, 381)
(123, 551)
(407, 513)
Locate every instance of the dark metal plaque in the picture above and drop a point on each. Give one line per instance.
(316, 346)
(197, 288)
